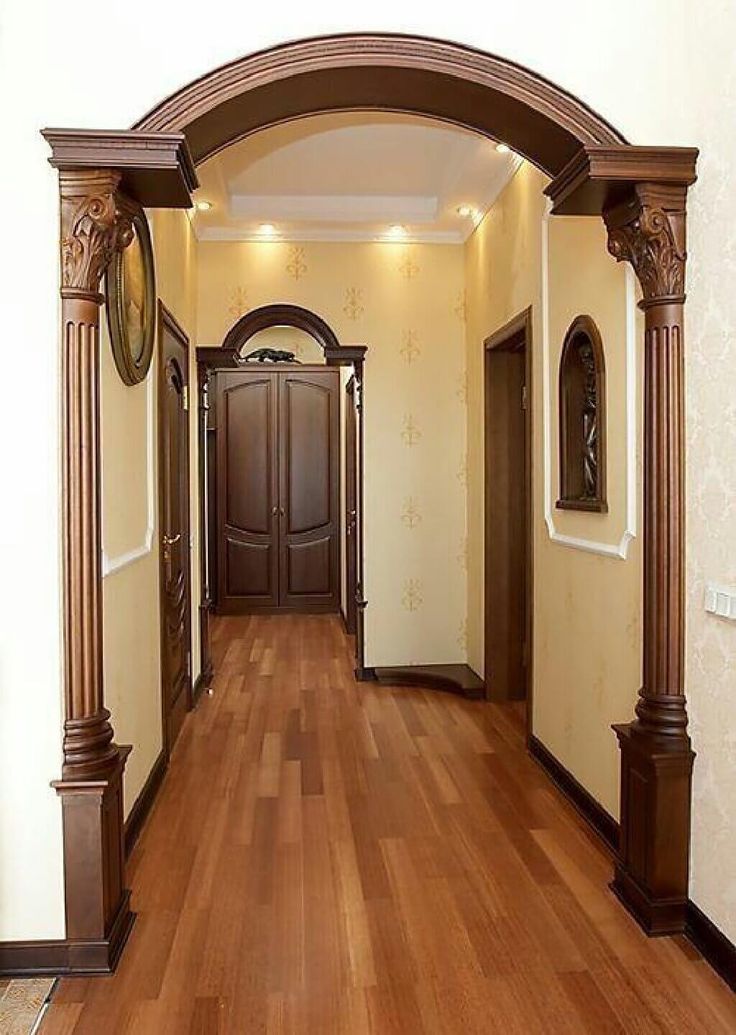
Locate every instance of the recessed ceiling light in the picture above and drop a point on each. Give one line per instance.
(204, 206)
(267, 229)
(503, 149)
(396, 230)
(465, 210)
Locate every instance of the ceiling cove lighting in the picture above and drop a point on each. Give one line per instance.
(204, 206)
(503, 149)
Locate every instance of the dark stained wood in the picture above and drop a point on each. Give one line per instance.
(651, 876)
(351, 508)
(95, 225)
(280, 314)
(571, 400)
(459, 679)
(175, 579)
(309, 490)
(508, 510)
(278, 489)
(712, 943)
(383, 72)
(600, 177)
(156, 169)
(248, 490)
(331, 857)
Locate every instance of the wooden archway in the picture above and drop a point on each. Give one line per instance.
(281, 314)
(640, 192)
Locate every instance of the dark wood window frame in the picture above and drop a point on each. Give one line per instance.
(573, 435)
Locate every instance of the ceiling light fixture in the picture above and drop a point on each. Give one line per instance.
(204, 206)
(465, 211)
(267, 230)
(396, 231)
(503, 149)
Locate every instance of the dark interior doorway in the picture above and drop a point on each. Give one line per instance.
(508, 554)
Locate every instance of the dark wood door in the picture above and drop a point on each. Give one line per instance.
(507, 521)
(308, 498)
(277, 490)
(351, 507)
(247, 490)
(174, 525)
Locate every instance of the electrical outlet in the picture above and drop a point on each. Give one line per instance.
(721, 601)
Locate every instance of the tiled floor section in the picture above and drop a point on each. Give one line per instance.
(21, 1001)
(330, 857)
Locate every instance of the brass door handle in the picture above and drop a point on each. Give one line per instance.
(169, 540)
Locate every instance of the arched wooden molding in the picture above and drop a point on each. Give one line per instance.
(582, 418)
(642, 192)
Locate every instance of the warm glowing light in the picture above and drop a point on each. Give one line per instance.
(267, 230)
(503, 149)
(396, 231)
(204, 206)
(465, 211)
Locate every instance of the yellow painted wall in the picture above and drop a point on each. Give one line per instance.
(130, 519)
(586, 662)
(406, 304)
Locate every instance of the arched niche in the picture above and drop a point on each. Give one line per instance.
(582, 419)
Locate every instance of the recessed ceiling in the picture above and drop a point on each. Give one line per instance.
(352, 177)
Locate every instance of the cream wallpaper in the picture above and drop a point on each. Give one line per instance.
(406, 304)
(586, 605)
(130, 519)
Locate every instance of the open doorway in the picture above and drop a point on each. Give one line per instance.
(507, 526)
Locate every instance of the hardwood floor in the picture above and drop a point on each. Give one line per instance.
(327, 856)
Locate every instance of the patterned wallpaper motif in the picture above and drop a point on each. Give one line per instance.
(406, 304)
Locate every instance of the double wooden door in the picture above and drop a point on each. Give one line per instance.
(278, 489)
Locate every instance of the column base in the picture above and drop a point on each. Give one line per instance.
(652, 867)
(98, 916)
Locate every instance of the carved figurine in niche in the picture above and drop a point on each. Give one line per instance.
(269, 356)
(582, 424)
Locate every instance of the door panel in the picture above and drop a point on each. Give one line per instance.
(174, 526)
(247, 482)
(309, 489)
(351, 508)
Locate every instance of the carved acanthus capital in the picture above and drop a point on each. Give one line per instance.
(649, 232)
(96, 222)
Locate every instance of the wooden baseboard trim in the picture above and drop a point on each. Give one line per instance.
(712, 944)
(592, 811)
(201, 683)
(458, 679)
(365, 674)
(66, 957)
(144, 802)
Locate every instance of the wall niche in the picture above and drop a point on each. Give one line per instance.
(582, 416)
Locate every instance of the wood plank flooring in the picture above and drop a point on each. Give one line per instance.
(327, 856)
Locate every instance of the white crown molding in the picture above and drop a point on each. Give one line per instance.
(621, 548)
(317, 235)
(112, 564)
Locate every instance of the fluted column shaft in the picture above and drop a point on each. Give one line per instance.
(93, 227)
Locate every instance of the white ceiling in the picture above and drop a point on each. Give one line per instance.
(350, 177)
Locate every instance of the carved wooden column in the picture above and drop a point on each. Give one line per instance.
(651, 875)
(95, 223)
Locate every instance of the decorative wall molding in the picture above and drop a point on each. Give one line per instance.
(621, 548)
(112, 564)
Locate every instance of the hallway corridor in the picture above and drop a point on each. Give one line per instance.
(326, 856)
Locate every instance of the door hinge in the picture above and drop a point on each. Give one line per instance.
(523, 397)
(185, 397)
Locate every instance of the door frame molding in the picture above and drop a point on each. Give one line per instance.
(513, 336)
(167, 321)
(641, 192)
